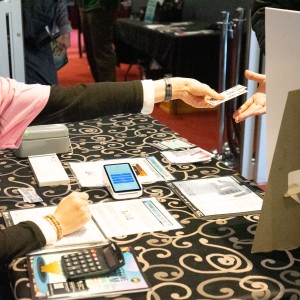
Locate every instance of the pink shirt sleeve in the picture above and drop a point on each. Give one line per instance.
(20, 103)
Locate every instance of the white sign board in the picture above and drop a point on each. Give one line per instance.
(282, 68)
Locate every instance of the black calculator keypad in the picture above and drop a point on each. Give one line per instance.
(91, 262)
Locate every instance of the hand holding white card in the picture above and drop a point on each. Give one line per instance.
(229, 94)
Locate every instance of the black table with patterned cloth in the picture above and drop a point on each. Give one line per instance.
(203, 260)
(192, 55)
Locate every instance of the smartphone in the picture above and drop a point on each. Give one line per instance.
(121, 181)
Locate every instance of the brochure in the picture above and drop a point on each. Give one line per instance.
(48, 170)
(173, 144)
(187, 156)
(90, 174)
(109, 219)
(47, 280)
(218, 197)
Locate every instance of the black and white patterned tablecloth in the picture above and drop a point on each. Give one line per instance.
(204, 260)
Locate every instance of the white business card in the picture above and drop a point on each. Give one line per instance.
(229, 94)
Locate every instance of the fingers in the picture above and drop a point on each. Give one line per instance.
(80, 195)
(250, 75)
(74, 199)
(208, 91)
(254, 109)
(85, 215)
(243, 108)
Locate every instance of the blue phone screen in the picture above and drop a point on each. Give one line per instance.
(122, 178)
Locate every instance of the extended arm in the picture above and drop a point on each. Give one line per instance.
(87, 101)
(40, 104)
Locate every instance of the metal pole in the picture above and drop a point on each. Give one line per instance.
(233, 129)
(222, 71)
(238, 22)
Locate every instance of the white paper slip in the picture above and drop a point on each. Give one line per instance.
(175, 144)
(187, 156)
(202, 31)
(230, 94)
(29, 195)
(132, 216)
(90, 174)
(48, 170)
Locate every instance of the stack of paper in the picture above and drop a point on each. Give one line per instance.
(187, 156)
(48, 170)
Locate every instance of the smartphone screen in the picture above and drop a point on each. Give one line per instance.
(122, 177)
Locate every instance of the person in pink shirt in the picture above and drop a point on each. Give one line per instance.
(22, 105)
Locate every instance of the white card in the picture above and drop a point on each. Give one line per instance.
(229, 94)
(29, 195)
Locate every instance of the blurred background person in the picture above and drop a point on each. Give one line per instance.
(97, 21)
(42, 21)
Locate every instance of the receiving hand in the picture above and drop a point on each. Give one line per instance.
(73, 212)
(255, 105)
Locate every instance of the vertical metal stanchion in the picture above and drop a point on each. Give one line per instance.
(238, 23)
(230, 53)
(233, 130)
(224, 23)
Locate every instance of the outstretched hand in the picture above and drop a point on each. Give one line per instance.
(191, 91)
(196, 94)
(256, 104)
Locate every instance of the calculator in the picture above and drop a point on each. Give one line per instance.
(92, 262)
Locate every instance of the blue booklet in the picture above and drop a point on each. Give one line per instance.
(47, 280)
(150, 11)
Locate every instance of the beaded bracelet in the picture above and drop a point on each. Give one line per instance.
(168, 93)
(56, 225)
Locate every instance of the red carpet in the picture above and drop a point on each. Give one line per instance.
(200, 128)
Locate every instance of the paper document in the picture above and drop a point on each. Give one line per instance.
(126, 217)
(188, 156)
(212, 198)
(90, 174)
(110, 219)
